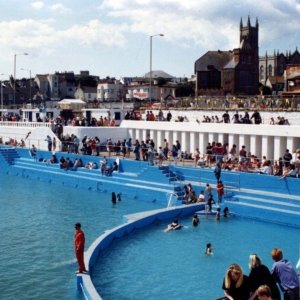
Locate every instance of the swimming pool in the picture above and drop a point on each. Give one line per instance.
(152, 264)
(37, 228)
(37, 259)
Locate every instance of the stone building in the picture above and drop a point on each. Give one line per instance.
(273, 66)
(231, 72)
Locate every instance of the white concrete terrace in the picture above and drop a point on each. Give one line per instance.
(261, 140)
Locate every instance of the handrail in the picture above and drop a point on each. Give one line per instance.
(171, 198)
(25, 124)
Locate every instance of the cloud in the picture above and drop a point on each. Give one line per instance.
(37, 5)
(33, 34)
(59, 7)
(208, 24)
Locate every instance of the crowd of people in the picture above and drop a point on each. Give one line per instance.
(261, 283)
(217, 154)
(238, 118)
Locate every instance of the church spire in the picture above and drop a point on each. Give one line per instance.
(256, 23)
(248, 21)
(241, 23)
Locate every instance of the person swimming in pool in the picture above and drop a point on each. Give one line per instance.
(173, 226)
(208, 250)
(195, 220)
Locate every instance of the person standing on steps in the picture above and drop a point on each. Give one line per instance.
(217, 171)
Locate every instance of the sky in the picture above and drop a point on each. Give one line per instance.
(112, 37)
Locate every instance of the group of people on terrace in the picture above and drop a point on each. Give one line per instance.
(234, 159)
(238, 118)
(261, 283)
(228, 157)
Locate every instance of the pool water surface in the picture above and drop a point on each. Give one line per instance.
(37, 229)
(37, 256)
(153, 264)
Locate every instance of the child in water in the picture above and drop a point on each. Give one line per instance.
(226, 212)
(113, 198)
(195, 220)
(208, 250)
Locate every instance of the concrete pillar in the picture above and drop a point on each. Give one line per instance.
(169, 138)
(267, 143)
(203, 140)
(184, 146)
(255, 145)
(279, 146)
(137, 135)
(244, 140)
(291, 144)
(153, 136)
(131, 133)
(159, 139)
(192, 142)
(220, 138)
(233, 140)
(175, 137)
(144, 135)
(212, 137)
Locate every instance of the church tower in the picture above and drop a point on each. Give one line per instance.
(246, 58)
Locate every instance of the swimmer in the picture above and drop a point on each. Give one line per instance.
(195, 220)
(208, 250)
(226, 212)
(218, 214)
(113, 198)
(119, 197)
(173, 226)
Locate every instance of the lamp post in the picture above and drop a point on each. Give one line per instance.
(15, 66)
(23, 69)
(150, 76)
(1, 84)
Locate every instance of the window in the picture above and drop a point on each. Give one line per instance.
(261, 73)
(270, 69)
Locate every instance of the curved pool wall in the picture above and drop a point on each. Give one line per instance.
(133, 222)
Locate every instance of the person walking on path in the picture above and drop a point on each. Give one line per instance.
(79, 240)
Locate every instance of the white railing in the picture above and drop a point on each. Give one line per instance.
(25, 124)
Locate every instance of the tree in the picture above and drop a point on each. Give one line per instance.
(185, 89)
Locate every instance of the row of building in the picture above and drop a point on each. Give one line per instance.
(61, 85)
(240, 71)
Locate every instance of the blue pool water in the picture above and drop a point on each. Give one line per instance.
(152, 264)
(37, 260)
(37, 227)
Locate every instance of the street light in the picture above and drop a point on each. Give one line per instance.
(23, 69)
(150, 85)
(15, 66)
(1, 84)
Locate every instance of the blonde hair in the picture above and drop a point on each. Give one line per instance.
(254, 261)
(228, 278)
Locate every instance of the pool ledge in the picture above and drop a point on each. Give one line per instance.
(133, 222)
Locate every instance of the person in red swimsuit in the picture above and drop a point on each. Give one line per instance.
(79, 240)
